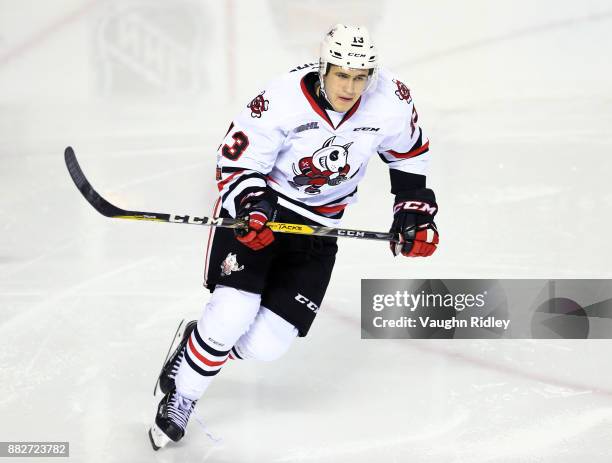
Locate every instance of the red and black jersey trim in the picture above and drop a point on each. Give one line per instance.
(238, 182)
(222, 183)
(339, 200)
(412, 153)
(227, 170)
(417, 149)
(244, 193)
(336, 205)
(384, 159)
(318, 103)
(330, 210)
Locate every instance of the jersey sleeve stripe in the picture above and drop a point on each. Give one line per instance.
(412, 153)
(240, 186)
(222, 183)
(236, 184)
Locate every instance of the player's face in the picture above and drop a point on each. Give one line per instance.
(344, 86)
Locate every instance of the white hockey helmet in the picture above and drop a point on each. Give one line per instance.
(349, 47)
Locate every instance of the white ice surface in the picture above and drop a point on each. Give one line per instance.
(516, 99)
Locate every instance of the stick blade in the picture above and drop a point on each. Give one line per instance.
(78, 177)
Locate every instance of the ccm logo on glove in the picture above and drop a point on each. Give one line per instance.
(415, 206)
(413, 223)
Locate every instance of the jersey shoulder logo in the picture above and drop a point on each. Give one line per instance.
(230, 264)
(307, 126)
(402, 92)
(327, 166)
(258, 105)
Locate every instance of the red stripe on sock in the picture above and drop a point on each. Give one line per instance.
(201, 358)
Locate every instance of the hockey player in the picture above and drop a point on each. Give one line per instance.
(296, 154)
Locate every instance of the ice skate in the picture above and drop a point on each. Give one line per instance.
(171, 420)
(176, 352)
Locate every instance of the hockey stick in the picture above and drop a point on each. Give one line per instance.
(109, 210)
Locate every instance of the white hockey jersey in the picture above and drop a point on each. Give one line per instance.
(315, 158)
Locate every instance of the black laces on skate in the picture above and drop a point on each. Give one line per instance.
(177, 363)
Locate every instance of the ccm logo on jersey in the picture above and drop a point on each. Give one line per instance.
(304, 300)
(415, 206)
(366, 129)
(350, 233)
(357, 55)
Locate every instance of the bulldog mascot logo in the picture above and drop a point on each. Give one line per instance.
(327, 166)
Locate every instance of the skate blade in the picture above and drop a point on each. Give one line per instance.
(178, 335)
(158, 438)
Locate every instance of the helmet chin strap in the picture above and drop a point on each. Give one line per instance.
(323, 93)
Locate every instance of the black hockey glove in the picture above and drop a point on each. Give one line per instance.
(413, 214)
(256, 208)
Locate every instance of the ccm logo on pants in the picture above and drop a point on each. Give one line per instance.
(304, 300)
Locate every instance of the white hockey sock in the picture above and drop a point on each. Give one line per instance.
(228, 314)
(267, 339)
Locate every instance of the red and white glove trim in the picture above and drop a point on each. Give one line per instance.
(425, 243)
